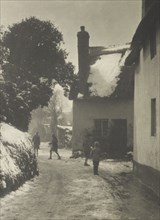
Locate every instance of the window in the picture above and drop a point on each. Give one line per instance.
(101, 127)
(153, 117)
(148, 4)
(153, 40)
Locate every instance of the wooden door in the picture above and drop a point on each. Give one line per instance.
(118, 138)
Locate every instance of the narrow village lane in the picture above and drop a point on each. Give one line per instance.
(66, 190)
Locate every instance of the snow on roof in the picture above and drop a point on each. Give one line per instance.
(104, 73)
(64, 127)
(118, 48)
(80, 95)
(122, 62)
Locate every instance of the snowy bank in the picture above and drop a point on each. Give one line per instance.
(18, 163)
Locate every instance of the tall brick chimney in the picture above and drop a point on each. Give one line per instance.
(83, 58)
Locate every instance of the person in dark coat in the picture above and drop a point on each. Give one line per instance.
(95, 153)
(54, 147)
(36, 143)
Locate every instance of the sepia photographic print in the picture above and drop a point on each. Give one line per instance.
(80, 109)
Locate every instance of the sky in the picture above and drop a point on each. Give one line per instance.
(109, 22)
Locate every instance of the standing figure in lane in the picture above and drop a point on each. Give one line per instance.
(54, 147)
(96, 152)
(36, 143)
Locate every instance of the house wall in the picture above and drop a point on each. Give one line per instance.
(85, 111)
(147, 147)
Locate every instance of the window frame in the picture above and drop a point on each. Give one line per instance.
(103, 130)
(153, 41)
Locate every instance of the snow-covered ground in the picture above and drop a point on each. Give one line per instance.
(67, 190)
(17, 159)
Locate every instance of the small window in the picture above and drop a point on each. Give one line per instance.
(153, 41)
(101, 127)
(153, 117)
(148, 4)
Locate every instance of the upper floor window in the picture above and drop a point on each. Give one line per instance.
(148, 4)
(153, 117)
(152, 39)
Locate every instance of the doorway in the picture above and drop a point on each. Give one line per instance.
(117, 138)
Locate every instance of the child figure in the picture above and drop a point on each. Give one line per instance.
(96, 157)
(54, 147)
(36, 143)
